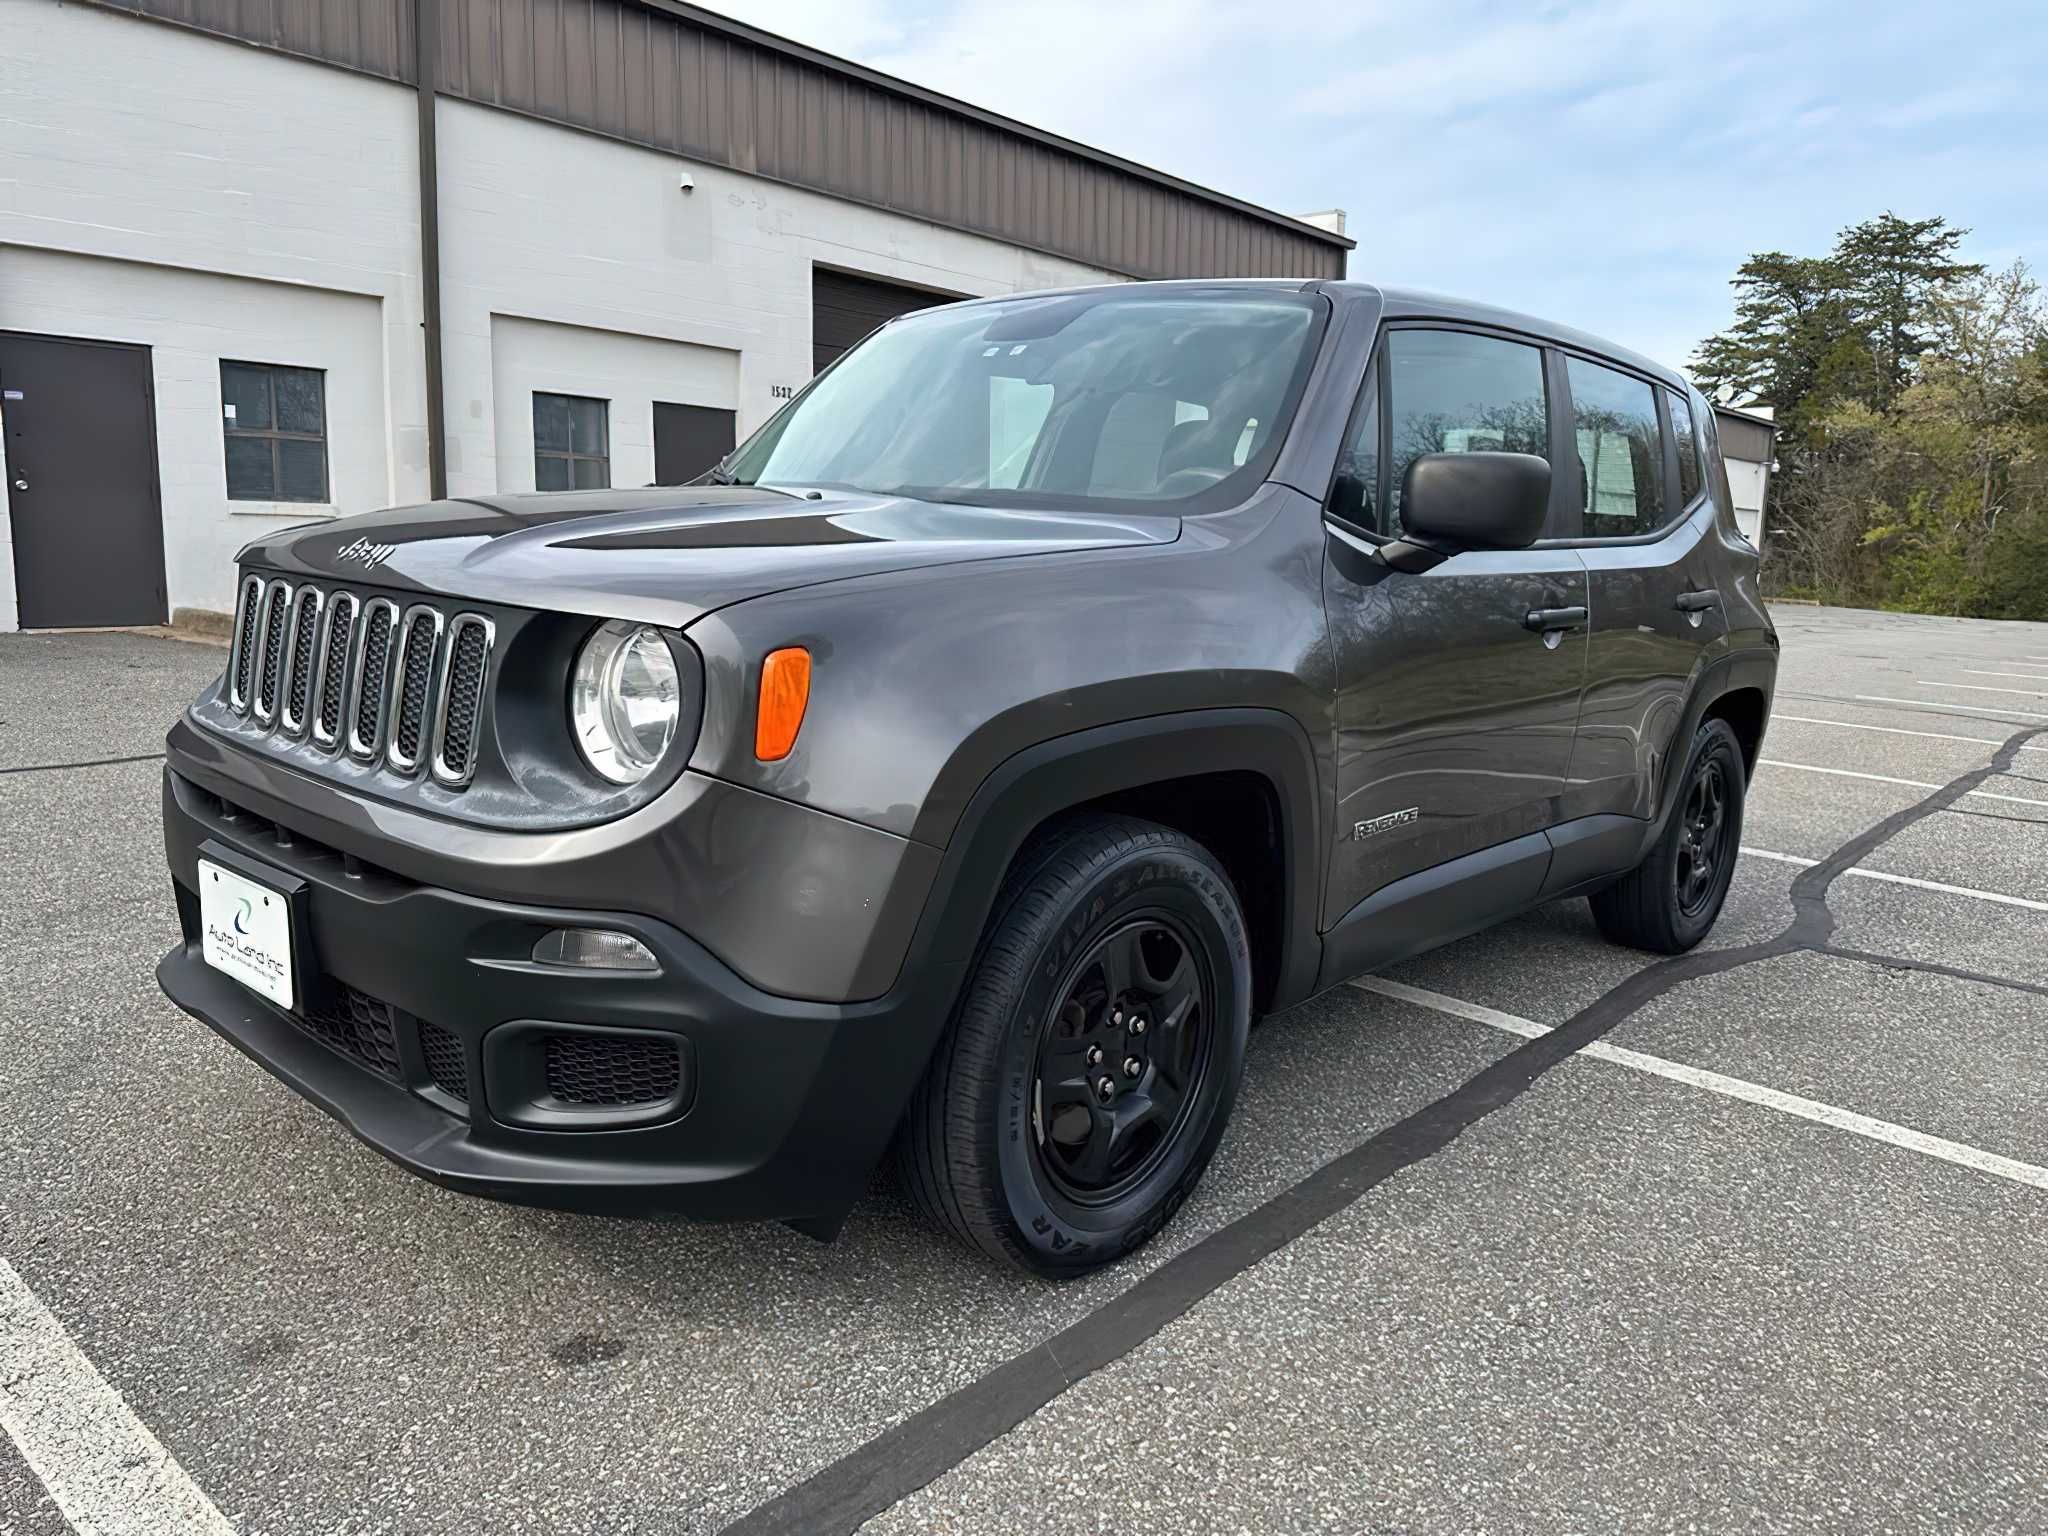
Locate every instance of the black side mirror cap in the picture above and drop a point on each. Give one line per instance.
(1475, 500)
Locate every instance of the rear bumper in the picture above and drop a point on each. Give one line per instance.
(785, 1104)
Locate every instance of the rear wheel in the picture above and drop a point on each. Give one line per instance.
(1095, 1052)
(1670, 900)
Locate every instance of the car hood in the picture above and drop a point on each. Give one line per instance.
(671, 555)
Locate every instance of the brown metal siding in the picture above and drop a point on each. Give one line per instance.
(655, 73)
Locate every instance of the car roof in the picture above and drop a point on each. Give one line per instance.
(1396, 304)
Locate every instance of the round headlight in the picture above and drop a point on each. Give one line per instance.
(624, 700)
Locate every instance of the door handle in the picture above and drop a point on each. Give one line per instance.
(1695, 602)
(1546, 620)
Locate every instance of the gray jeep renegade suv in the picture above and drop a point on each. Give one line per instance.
(1054, 685)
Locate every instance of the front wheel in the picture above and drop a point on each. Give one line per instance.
(1095, 1053)
(1669, 901)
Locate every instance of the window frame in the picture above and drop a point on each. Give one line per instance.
(570, 456)
(273, 435)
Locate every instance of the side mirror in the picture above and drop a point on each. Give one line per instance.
(1476, 500)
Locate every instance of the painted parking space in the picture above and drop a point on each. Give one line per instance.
(1689, 1306)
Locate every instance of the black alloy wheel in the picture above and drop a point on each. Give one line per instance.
(1121, 1059)
(1703, 844)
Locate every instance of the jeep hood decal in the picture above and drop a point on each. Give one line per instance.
(670, 555)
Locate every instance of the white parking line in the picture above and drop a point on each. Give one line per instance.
(1980, 672)
(1893, 730)
(1926, 885)
(1974, 709)
(1885, 778)
(1729, 1087)
(108, 1475)
(2030, 693)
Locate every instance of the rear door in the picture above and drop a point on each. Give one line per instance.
(1454, 716)
(1645, 520)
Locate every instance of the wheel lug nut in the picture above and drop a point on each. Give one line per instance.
(1137, 1024)
(1117, 1017)
(1133, 1066)
(1094, 1055)
(1105, 1089)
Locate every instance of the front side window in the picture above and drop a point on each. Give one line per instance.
(1095, 398)
(274, 420)
(1688, 449)
(1457, 392)
(571, 443)
(1621, 452)
(1356, 497)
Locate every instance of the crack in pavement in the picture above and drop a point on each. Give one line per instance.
(886, 1469)
(95, 762)
(1932, 967)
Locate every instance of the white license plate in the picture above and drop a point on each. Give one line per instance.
(246, 932)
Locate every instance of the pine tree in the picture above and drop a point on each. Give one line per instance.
(1891, 269)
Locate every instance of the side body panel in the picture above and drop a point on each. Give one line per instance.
(1454, 720)
(1643, 657)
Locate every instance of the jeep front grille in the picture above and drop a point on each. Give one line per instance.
(350, 672)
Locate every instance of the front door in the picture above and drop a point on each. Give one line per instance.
(1455, 717)
(688, 440)
(81, 482)
(1647, 525)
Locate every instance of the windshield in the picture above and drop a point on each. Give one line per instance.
(1061, 401)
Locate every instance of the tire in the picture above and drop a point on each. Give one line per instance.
(1667, 903)
(1000, 1146)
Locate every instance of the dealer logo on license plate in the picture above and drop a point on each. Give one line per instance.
(246, 932)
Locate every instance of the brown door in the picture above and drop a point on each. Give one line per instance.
(689, 439)
(81, 482)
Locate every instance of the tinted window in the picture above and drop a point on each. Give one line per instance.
(1453, 392)
(1094, 397)
(275, 423)
(1688, 449)
(571, 443)
(1356, 498)
(1621, 453)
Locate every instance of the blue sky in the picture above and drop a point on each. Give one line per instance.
(1606, 164)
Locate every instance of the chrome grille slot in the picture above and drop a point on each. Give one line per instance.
(471, 639)
(302, 640)
(277, 598)
(400, 690)
(242, 661)
(419, 656)
(330, 677)
(368, 687)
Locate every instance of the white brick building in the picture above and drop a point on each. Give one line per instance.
(664, 217)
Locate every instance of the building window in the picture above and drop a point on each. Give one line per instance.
(571, 443)
(275, 422)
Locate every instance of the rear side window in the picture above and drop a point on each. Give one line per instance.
(1688, 449)
(1621, 451)
(1456, 392)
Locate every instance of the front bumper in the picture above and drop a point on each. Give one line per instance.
(785, 1104)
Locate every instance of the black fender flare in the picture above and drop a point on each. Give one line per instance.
(1730, 673)
(1035, 784)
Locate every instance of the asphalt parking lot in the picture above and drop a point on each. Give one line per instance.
(1527, 1234)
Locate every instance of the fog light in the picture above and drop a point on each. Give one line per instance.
(595, 949)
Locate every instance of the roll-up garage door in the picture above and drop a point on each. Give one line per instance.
(845, 308)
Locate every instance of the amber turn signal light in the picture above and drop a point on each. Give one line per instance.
(785, 690)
